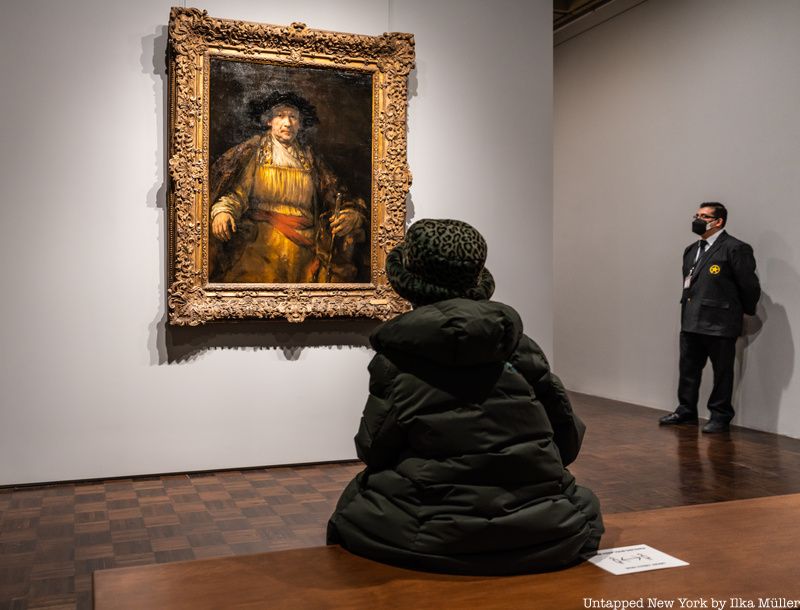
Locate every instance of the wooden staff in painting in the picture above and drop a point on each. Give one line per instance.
(329, 258)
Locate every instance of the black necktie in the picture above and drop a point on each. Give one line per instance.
(703, 246)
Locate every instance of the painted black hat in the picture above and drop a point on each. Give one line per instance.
(307, 110)
(440, 259)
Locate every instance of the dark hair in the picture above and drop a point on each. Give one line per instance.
(261, 109)
(720, 211)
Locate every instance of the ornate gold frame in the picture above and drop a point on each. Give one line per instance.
(193, 38)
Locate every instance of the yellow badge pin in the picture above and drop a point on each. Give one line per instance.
(714, 269)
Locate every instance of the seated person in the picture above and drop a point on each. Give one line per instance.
(466, 433)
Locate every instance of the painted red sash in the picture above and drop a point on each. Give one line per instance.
(286, 224)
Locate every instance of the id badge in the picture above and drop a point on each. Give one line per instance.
(687, 282)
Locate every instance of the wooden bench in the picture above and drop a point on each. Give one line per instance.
(742, 549)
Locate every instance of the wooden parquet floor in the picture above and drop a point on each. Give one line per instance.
(53, 537)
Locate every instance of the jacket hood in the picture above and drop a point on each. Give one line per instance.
(456, 332)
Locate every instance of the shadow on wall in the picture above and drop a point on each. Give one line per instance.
(771, 348)
(182, 343)
(154, 63)
(413, 83)
(767, 338)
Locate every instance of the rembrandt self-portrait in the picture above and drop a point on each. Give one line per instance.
(280, 211)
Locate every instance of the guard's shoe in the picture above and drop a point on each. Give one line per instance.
(716, 426)
(673, 419)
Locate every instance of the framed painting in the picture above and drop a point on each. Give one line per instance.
(288, 170)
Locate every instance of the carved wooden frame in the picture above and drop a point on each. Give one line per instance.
(193, 38)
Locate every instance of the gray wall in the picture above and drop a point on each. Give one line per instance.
(93, 382)
(673, 103)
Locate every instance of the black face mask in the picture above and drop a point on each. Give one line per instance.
(699, 226)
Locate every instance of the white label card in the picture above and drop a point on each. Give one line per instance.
(636, 558)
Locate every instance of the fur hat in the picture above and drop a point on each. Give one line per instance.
(440, 259)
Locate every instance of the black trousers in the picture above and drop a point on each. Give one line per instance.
(696, 349)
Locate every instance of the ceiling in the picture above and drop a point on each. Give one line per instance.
(567, 11)
(574, 17)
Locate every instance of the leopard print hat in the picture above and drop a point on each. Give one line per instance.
(440, 259)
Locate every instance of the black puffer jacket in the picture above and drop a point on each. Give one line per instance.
(465, 436)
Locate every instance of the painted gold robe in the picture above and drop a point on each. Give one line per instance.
(282, 199)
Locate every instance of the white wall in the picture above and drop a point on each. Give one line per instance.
(673, 103)
(94, 384)
(480, 144)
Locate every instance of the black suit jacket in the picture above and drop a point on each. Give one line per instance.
(724, 286)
